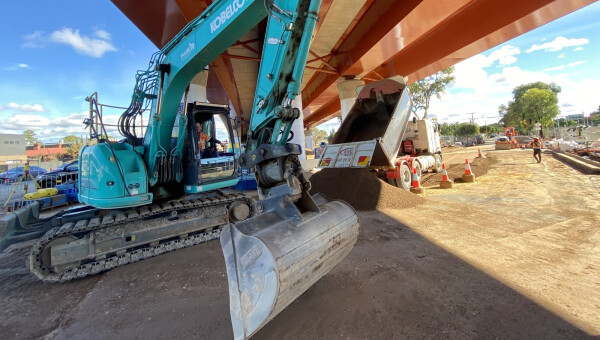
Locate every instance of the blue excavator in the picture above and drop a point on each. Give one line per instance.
(159, 193)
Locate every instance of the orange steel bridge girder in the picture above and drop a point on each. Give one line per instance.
(463, 29)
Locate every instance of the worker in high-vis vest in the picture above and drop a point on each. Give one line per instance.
(537, 149)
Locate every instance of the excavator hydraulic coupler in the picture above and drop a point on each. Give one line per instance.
(276, 256)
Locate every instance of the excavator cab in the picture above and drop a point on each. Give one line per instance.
(271, 257)
(210, 153)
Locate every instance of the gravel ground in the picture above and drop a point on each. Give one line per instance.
(515, 255)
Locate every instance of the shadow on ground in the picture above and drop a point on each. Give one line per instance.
(394, 284)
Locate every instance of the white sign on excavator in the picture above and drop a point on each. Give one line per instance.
(227, 13)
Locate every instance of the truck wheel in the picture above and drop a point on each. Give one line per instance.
(437, 167)
(405, 179)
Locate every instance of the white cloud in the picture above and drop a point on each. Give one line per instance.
(102, 34)
(481, 90)
(23, 108)
(471, 72)
(578, 49)
(555, 68)
(580, 96)
(575, 63)
(484, 96)
(562, 67)
(83, 44)
(19, 66)
(505, 55)
(34, 40)
(54, 128)
(332, 124)
(560, 56)
(23, 121)
(95, 46)
(558, 44)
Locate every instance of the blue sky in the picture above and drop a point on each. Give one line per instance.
(53, 55)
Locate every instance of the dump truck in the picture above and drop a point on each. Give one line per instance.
(380, 134)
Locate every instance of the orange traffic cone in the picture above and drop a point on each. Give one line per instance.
(416, 183)
(479, 155)
(445, 183)
(468, 176)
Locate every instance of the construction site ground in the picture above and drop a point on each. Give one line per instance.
(515, 255)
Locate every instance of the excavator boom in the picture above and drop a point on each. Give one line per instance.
(276, 256)
(149, 196)
(295, 238)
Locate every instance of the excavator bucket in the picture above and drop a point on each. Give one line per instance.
(274, 257)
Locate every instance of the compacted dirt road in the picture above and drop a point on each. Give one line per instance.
(515, 255)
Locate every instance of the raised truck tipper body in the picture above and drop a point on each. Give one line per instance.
(380, 134)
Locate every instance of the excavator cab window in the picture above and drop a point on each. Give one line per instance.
(209, 133)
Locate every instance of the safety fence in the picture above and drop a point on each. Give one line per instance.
(584, 135)
(15, 183)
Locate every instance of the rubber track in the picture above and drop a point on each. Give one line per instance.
(141, 252)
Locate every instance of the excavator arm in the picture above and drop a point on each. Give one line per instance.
(289, 32)
(271, 258)
(277, 255)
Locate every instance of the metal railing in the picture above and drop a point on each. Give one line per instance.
(98, 128)
(52, 180)
(585, 135)
(14, 184)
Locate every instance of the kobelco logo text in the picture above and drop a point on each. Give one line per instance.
(227, 13)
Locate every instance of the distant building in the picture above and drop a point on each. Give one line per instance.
(46, 150)
(12, 151)
(576, 117)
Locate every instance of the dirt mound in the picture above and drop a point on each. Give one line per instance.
(362, 190)
(479, 167)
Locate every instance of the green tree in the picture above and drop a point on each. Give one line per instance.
(318, 136)
(30, 137)
(564, 122)
(467, 129)
(492, 128)
(448, 129)
(75, 145)
(70, 139)
(541, 106)
(532, 103)
(434, 85)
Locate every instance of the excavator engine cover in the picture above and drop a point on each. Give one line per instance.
(274, 257)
